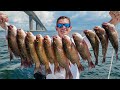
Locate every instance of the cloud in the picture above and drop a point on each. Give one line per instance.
(17, 16)
(46, 17)
(97, 15)
(90, 15)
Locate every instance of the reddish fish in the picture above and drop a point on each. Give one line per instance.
(25, 59)
(101, 33)
(39, 46)
(94, 40)
(71, 52)
(48, 46)
(112, 35)
(29, 41)
(83, 49)
(61, 57)
(12, 41)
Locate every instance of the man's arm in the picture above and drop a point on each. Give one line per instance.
(3, 20)
(115, 15)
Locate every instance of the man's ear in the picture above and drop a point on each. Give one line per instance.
(70, 27)
(56, 28)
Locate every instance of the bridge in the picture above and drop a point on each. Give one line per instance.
(39, 25)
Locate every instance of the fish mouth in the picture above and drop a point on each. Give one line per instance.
(104, 24)
(45, 37)
(85, 31)
(73, 34)
(10, 27)
(96, 27)
(38, 36)
(18, 30)
(54, 37)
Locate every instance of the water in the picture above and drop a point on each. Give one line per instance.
(12, 70)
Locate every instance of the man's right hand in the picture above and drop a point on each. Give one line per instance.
(3, 19)
(115, 17)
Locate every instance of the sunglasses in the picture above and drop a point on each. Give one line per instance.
(60, 25)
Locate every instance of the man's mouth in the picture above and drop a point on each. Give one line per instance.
(63, 31)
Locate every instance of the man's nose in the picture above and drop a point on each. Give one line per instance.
(63, 27)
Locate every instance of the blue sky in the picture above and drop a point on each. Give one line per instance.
(80, 19)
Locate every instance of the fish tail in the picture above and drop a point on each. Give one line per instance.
(37, 69)
(80, 67)
(68, 74)
(116, 56)
(11, 56)
(103, 60)
(24, 62)
(96, 62)
(48, 71)
(56, 69)
(29, 63)
(91, 64)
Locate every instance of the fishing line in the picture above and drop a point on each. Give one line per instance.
(111, 64)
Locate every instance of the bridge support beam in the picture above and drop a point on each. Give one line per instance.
(30, 23)
(37, 26)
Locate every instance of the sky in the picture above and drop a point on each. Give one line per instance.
(79, 19)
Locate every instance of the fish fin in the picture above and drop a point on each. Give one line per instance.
(97, 38)
(68, 74)
(80, 67)
(11, 54)
(116, 56)
(91, 65)
(56, 69)
(96, 62)
(48, 71)
(62, 68)
(87, 41)
(37, 69)
(84, 43)
(29, 63)
(103, 60)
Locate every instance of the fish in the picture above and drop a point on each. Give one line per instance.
(61, 57)
(29, 42)
(48, 46)
(12, 42)
(94, 40)
(112, 36)
(71, 52)
(39, 47)
(25, 59)
(82, 48)
(101, 33)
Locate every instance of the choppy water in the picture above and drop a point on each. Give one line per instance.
(12, 70)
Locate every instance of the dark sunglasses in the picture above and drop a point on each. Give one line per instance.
(60, 25)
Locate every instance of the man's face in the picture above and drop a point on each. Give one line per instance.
(63, 30)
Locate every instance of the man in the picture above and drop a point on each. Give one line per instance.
(63, 27)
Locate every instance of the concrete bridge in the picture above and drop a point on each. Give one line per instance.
(39, 25)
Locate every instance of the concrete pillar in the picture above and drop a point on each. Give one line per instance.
(30, 23)
(37, 26)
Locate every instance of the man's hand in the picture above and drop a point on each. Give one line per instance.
(3, 19)
(115, 17)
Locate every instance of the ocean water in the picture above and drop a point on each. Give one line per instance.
(12, 70)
